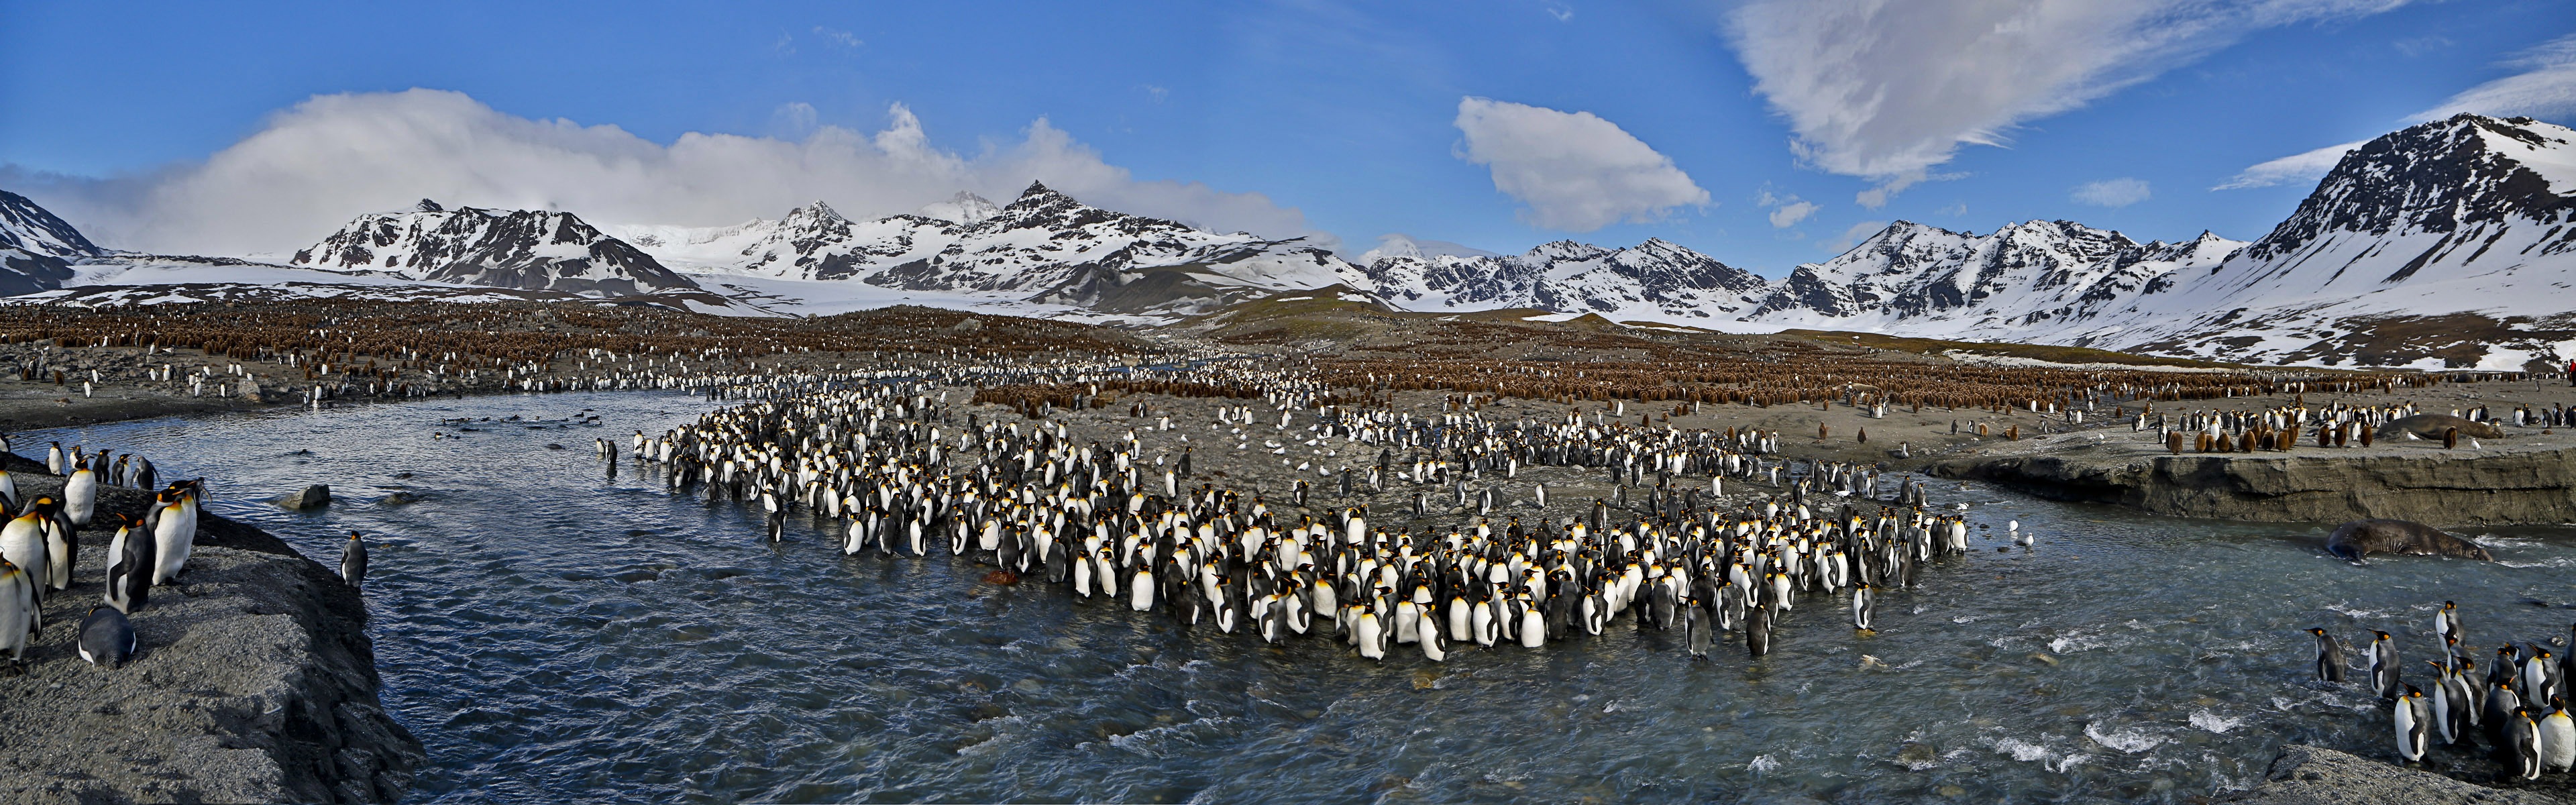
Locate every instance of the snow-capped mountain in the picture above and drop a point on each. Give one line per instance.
(2448, 243)
(1928, 281)
(36, 248)
(519, 249)
(1652, 280)
(1043, 247)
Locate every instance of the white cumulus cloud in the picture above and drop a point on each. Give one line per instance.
(2120, 192)
(2299, 167)
(2546, 86)
(1889, 89)
(1573, 170)
(332, 157)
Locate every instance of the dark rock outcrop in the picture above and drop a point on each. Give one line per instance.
(2308, 775)
(255, 682)
(2442, 488)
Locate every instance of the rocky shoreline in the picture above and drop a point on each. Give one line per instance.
(2309, 775)
(255, 682)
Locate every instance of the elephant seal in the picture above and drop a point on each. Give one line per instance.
(2351, 541)
(2430, 426)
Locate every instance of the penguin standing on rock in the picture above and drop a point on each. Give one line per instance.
(353, 561)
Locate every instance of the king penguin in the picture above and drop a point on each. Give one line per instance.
(2330, 664)
(106, 637)
(2557, 738)
(353, 561)
(129, 566)
(20, 619)
(1862, 605)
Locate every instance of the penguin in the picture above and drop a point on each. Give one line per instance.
(20, 618)
(1429, 637)
(2539, 677)
(128, 556)
(62, 552)
(22, 543)
(2443, 704)
(1533, 627)
(1140, 591)
(2497, 718)
(80, 495)
(1696, 631)
(2557, 738)
(106, 637)
(1862, 605)
(353, 561)
(2411, 726)
(2383, 666)
(2446, 622)
(1370, 636)
(2330, 665)
(2524, 739)
(173, 536)
(1757, 631)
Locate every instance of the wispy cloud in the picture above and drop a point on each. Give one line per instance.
(1889, 89)
(1573, 170)
(332, 157)
(2546, 86)
(2113, 193)
(2304, 166)
(838, 37)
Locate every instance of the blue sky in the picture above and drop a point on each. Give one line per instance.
(190, 127)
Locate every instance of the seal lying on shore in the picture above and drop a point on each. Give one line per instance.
(2430, 426)
(2351, 541)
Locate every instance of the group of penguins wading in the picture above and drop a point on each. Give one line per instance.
(889, 469)
(2518, 706)
(40, 549)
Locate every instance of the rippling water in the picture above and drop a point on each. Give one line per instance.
(553, 634)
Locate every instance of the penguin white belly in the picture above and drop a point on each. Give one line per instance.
(18, 613)
(1459, 620)
(1408, 622)
(80, 497)
(22, 542)
(1431, 648)
(1141, 591)
(1483, 623)
(1372, 642)
(172, 538)
(2557, 741)
(2409, 734)
(1533, 629)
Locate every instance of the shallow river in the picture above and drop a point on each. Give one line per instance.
(554, 634)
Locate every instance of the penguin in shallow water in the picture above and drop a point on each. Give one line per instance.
(1433, 647)
(2329, 665)
(1862, 605)
(1370, 636)
(353, 560)
(2383, 666)
(1757, 631)
(1696, 631)
(2412, 725)
(106, 637)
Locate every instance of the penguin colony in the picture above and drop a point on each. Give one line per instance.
(323, 352)
(890, 469)
(39, 549)
(2517, 708)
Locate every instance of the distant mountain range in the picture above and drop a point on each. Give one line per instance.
(2443, 244)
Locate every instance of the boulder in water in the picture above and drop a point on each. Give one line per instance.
(311, 497)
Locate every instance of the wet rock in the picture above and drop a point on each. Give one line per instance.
(1918, 756)
(311, 497)
(2043, 659)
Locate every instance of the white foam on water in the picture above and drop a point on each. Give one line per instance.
(2131, 741)
(2022, 750)
(2214, 722)
(1763, 764)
